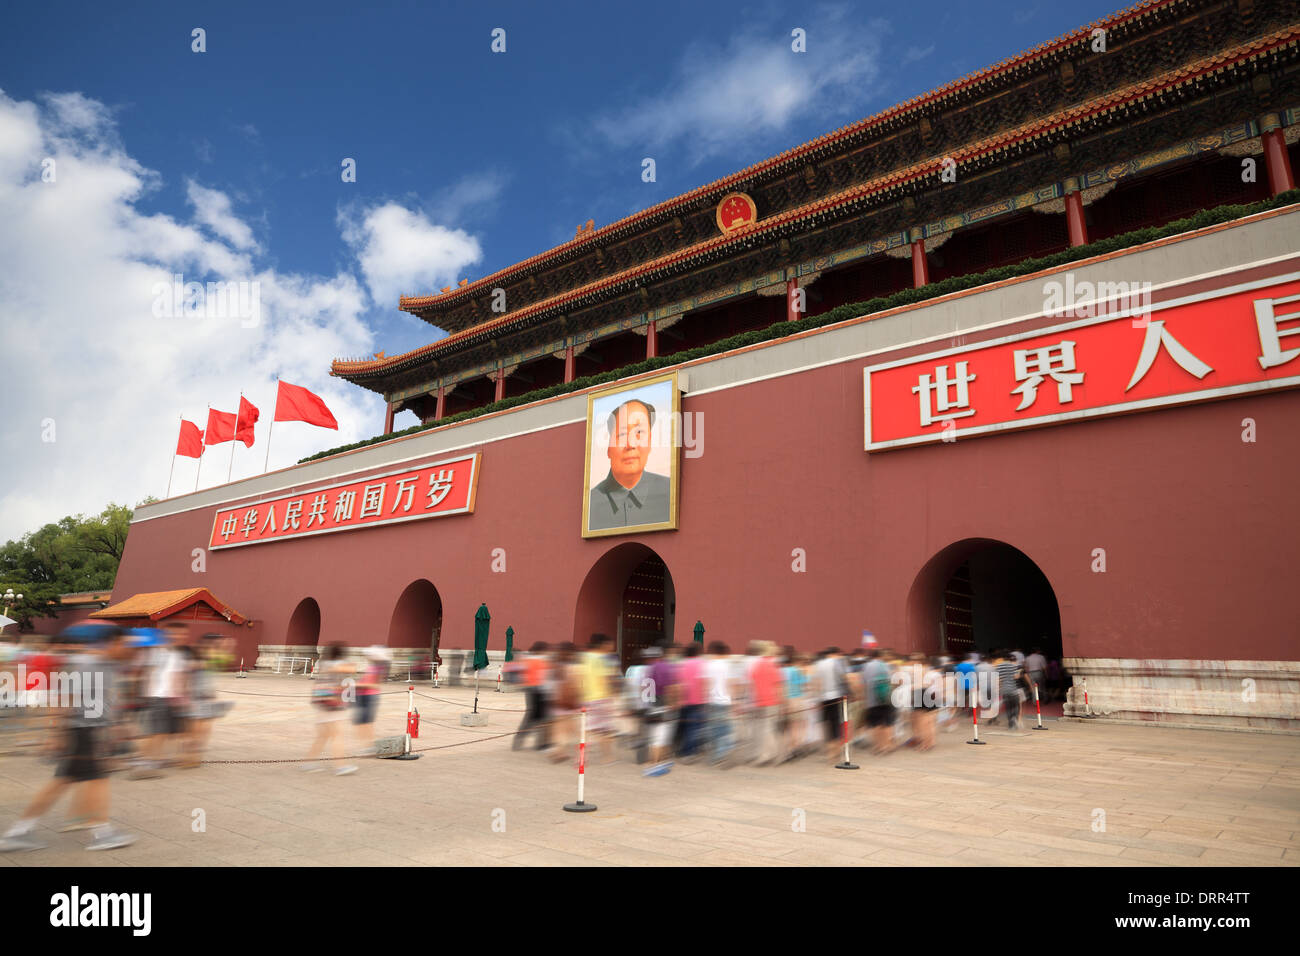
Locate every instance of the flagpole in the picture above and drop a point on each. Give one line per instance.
(239, 408)
(204, 444)
(269, 431)
(172, 471)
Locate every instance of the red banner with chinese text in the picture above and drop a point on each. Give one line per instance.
(433, 490)
(1226, 343)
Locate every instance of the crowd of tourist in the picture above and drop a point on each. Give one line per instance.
(100, 698)
(766, 706)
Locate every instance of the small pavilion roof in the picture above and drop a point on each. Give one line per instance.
(157, 605)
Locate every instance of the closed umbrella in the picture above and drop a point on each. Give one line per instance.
(482, 621)
(510, 644)
(699, 632)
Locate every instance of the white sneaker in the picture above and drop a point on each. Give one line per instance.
(311, 768)
(111, 839)
(25, 841)
(344, 771)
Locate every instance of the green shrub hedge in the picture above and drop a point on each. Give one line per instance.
(1206, 217)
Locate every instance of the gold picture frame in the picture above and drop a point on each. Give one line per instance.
(609, 505)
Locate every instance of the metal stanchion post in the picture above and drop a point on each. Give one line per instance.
(412, 716)
(581, 806)
(975, 721)
(846, 764)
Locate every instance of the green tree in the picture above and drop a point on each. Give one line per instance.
(76, 553)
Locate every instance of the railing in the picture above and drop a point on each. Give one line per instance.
(293, 662)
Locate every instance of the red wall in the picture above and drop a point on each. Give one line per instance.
(1199, 530)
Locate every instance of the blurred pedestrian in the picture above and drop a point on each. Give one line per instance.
(1010, 676)
(721, 696)
(693, 682)
(828, 677)
(793, 727)
(532, 671)
(565, 701)
(164, 671)
(200, 707)
(331, 708)
(637, 699)
(81, 739)
(374, 671)
(765, 679)
(927, 696)
(877, 689)
(664, 681)
(597, 674)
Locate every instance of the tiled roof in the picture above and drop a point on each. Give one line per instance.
(1134, 93)
(734, 180)
(157, 605)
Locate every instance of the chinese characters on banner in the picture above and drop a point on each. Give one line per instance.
(442, 488)
(1229, 342)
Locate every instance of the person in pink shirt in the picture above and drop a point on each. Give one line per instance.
(694, 692)
(768, 690)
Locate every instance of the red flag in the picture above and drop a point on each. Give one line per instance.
(293, 403)
(221, 427)
(190, 444)
(248, 415)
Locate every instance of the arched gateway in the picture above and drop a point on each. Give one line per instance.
(417, 617)
(979, 594)
(304, 625)
(628, 595)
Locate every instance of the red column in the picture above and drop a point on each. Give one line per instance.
(501, 385)
(1280, 176)
(791, 290)
(1074, 219)
(920, 266)
(388, 419)
(442, 404)
(651, 341)
(568, 363)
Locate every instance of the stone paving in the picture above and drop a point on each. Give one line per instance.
(1169, 797)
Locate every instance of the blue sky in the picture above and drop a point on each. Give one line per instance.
(227, 162)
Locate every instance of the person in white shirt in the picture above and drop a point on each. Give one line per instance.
(719, 677)
(165, 694)
(1036, 668)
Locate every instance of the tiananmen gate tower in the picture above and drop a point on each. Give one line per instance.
(1013, 363)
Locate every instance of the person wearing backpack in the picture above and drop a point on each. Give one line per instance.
(878, 685)
(327, 698)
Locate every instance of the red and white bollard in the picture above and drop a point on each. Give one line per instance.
(498, 680)
(581, 806)
(975, 722)
(1087, 708)
(846, 764)
(412, 725)
(1038, 709)
(241, 669)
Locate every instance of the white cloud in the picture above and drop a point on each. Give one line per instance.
(725, 97)
(80, 265)
(474, 194)
(403, 253)
(212, 209)
(915, 53)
